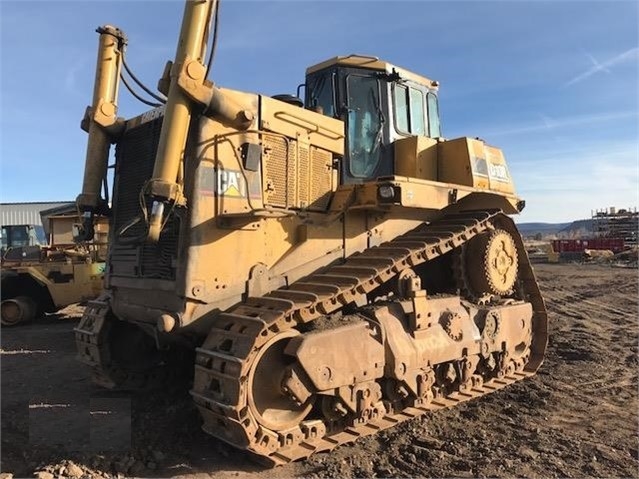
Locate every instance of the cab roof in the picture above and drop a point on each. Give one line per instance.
(372, 63)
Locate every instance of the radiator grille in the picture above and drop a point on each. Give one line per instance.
(134, 156)
(303, 176)
(296, 176)
(321, 179)
(276, 192)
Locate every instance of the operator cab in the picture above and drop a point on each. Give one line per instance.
(379, 103)
(18, 236)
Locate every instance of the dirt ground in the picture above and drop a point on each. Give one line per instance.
(576, 418)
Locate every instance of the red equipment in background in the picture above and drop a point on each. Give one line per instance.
(616, 245)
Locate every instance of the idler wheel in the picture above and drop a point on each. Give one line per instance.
(271, 407)
(491, 263)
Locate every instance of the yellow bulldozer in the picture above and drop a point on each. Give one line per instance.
(334, 263)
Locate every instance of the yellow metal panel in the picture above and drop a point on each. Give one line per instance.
(297, 249)
(471, 162)
(454, 163)
(292, 121)
(321, 178)
(498, 175)
(433, 196)
(219, 260)
(223, 181)
(397, 221)
(416, 157)
(355, 232)
(297, 173)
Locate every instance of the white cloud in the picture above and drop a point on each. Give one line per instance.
(596, 63)
(627, 56)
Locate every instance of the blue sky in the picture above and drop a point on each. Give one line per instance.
(554, 84)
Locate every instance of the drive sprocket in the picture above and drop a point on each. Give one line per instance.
(491, 263)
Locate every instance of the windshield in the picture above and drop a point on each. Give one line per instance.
(365, 122)
(22, 235)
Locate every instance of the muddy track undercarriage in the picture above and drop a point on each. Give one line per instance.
(264, 383)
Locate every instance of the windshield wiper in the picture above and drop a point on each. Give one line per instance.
(382, 120)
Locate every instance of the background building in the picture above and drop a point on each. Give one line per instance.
(617, 223)
(21, 223)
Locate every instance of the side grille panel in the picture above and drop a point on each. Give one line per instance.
(303, 176)
(321, 173)
(296, 175)
(135, 155)
(275, 171)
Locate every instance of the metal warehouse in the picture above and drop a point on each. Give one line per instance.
(26, 213)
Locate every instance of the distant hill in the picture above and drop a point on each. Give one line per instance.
(576, 229)
(531, 229)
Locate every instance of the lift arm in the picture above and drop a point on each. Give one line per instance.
(188, 89)
(102, 124)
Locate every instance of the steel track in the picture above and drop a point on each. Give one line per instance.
(225, 359)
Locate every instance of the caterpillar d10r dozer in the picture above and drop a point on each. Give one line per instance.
(335, 264)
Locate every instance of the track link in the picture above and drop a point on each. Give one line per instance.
(223, 362)
(93, 346)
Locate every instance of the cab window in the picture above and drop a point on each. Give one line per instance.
(401, 109)
(417, 112)
(321, 93)
(410, 117)
(433, 116)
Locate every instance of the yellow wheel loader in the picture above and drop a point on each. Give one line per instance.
(336, 265)
(44, 278)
